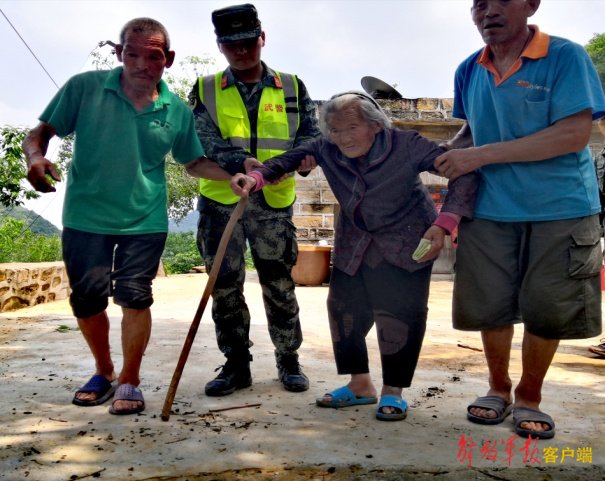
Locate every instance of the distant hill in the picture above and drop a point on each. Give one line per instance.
(40, 225)
(36, 223)
(189, 223)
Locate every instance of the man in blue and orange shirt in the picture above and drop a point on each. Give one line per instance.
(532, 253)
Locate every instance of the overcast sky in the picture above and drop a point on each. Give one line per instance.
(331, 44)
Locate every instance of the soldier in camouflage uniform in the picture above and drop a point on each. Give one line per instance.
(264, 98)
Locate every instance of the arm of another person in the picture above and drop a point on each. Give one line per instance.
(277, 167)
(570, 134)
(206, 169)
(462, 140)
(272, 169)
(35, 146)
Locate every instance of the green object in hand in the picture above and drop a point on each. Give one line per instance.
(423, 247)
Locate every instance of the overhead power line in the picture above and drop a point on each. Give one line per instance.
(28, 48)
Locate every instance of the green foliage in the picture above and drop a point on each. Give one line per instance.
(63, 328)
(13, 169)
(190, 68)
(66, 150)
(180, 253)
(182, 190)
(596, 44)
(106, 60)
(596, 52)
(18, 244)
(14, 189)
(248, 260)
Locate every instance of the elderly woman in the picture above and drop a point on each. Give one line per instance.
(382, 270)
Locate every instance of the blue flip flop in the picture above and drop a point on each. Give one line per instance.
(392, 401)
(343, 397)
(98, 385)
(127, 392)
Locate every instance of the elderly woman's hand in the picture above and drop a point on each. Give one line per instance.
(242, 184)
(436, 236)
(307, 164)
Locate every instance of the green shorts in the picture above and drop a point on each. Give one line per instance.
(544, 274)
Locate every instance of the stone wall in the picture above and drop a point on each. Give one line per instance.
(28, 284)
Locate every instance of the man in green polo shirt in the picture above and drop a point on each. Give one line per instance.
(114, 216)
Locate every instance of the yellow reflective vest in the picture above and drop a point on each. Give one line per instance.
(277, 124)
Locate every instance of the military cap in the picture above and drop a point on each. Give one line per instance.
(235, 23)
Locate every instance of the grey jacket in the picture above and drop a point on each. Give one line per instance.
(382, 198)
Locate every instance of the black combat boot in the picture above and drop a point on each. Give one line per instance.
(290, 374)
(235, 374)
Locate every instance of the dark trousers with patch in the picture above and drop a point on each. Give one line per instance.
(389, 297)
(104, 265)
(271, 236)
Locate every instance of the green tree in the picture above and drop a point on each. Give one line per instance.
(19, 244)
(66, 151)
(182, 188)
(180, 253)
(189, 69)
(14, 188)
(596, 52)
(13, 170)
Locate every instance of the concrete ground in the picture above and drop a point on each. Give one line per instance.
(265, 432)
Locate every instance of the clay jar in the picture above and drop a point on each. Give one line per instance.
(313, 265)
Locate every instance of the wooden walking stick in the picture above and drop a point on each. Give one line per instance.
(216, 266)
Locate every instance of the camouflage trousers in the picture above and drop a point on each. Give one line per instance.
(271, 236)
